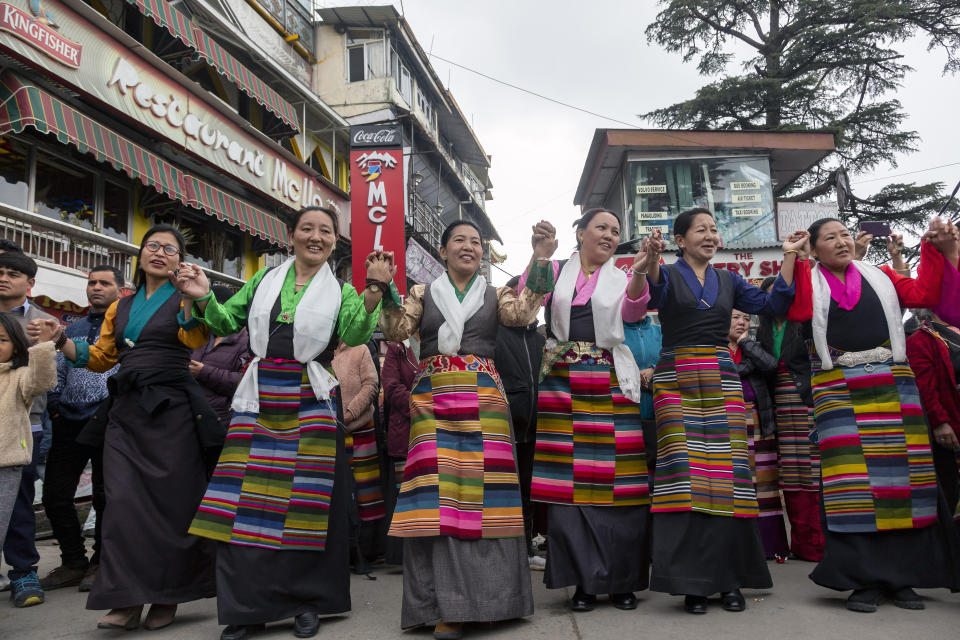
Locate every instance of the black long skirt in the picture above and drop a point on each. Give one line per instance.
(154, 477)
(600, 549)
(257, 585)
(699, 555)
(926, 558)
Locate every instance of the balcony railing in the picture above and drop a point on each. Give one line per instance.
(424, 220)
(48, 240)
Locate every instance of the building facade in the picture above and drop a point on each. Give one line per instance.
(650, 176)
(371, 69)
(118, 114)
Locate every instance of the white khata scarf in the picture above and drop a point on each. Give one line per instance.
(454, 312)
(313, 324)
(606, 304)
(884, 289)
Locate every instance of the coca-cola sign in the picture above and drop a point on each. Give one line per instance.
(376, 135)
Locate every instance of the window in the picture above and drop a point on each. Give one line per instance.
(424, 104)
(366, 55)
(736, 189)
(210, 243)
(401, 74)
(65, 192)
(15, 172)
(116, 210)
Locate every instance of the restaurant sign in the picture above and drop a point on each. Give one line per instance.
(129, 82)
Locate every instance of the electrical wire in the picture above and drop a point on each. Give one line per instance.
(908, 173)
(632, 125)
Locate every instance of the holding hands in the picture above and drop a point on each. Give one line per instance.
(798, 242)
(945, 237)
(648, 256)
(543, 240)
(380, 266)
(190, 281)
(43, 330)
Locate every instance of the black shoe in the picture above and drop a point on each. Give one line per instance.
(695, 604)
(907, 598)
(733, 600)
(625, 601)
(306, 625)
(240, 631)
(864, 600)
(582, 601)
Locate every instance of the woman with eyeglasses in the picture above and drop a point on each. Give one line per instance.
(278, 505)
(153, 435)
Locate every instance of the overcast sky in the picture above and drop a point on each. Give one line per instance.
(595, 55)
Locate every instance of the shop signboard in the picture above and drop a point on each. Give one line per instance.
(422, 267)
(377, 193)
(793, 216)
(179, 113)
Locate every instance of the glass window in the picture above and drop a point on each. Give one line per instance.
(736, 189)
(14, 169)
(355, 64)
(375, 60)
(64, 192)
(116, 210)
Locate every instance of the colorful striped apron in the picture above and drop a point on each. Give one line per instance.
(877, 465)
(589, 448)
(763, 463)
(703, 463)
(799, 457)
(273, 482)
(460, 477)
(361, 448)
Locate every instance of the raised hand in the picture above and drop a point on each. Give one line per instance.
(894, 245)
(798, 241)
(543, 240)
(649, 254)
(861, 244)
(190, 281)
(380, 266)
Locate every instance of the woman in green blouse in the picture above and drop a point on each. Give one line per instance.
(278, 501)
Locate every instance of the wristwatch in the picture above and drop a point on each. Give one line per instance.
(376, 285)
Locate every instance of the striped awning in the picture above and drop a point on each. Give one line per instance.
(206, 47)
(236, 211)
(24, 104)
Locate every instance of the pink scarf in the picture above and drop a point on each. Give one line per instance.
(846, 294)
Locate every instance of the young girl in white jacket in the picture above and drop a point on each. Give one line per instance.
(25, 373)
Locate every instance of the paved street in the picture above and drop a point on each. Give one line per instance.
(796, 608)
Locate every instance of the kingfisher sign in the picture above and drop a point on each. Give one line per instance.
(376, 196)
(39, 32)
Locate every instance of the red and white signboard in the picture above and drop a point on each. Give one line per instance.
(377, 198)
(39, 31)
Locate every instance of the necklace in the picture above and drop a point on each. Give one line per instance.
(300, 284)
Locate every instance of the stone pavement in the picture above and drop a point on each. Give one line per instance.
(794, 608)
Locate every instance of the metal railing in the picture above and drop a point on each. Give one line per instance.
(424, 220)
(49, 240)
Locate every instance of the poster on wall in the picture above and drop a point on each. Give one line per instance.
(377, 198)
(793, 216)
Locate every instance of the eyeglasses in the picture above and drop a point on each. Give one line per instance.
(168, 249)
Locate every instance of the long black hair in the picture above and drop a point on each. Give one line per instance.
(683, 222)
(139, 277)
(18, 339)
(583, 221)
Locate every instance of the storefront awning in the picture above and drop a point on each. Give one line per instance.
(24, 104)
(181, 27)
(235, 211)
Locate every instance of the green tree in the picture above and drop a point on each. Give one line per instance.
(814, 65)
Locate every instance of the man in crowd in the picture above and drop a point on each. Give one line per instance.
(78, 394)
(17, 273)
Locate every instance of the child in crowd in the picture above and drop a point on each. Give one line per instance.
(25, 373)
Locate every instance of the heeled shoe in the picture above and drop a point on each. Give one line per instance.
(582, 601)
(160, 616)
(448, 631)
(733, 600)
(127, 618)
(695, 604)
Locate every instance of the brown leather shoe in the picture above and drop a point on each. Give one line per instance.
(160, 616)
(127, 618)
(87, 583)
(62, 576)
